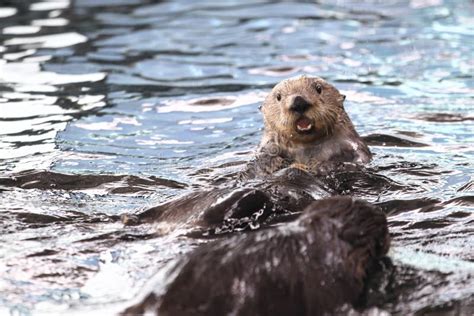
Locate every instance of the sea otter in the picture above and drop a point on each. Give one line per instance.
(305, 125)
(310, 266)
(235, 205)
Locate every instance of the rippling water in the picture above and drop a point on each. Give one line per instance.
(110, 106)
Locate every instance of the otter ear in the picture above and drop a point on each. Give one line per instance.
(260, 107)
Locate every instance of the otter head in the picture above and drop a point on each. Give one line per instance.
(302, 109)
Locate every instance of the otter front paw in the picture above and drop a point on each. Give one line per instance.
(300, 166)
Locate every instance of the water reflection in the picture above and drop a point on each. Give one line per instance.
(32, 109)
(6, 12)
(171, 90)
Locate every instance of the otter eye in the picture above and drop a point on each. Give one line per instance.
(278, 96)
(318, 88)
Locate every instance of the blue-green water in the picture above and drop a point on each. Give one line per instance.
(171, 90)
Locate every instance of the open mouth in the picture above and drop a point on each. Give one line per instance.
(304, 124)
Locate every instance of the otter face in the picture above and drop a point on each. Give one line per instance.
(302, 109)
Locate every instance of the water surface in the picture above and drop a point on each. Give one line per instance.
(141, 101)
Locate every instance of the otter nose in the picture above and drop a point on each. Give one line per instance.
(299, 104)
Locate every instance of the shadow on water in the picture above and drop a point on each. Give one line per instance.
(113, 111)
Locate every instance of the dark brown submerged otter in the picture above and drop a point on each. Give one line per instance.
(306, 125)
(311, 266)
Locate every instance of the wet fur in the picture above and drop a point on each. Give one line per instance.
(333, 138)
(310, 266)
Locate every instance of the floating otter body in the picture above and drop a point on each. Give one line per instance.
(306, 125)
(310, 266)
(287, 192)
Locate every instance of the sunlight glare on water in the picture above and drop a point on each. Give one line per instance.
(151, 91)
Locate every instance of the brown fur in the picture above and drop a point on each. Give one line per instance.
(332, 138)
(310, 266)
(325, 110)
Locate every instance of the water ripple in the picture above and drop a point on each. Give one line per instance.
(121, 105)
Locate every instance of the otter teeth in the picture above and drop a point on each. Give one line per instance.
(305, 128)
